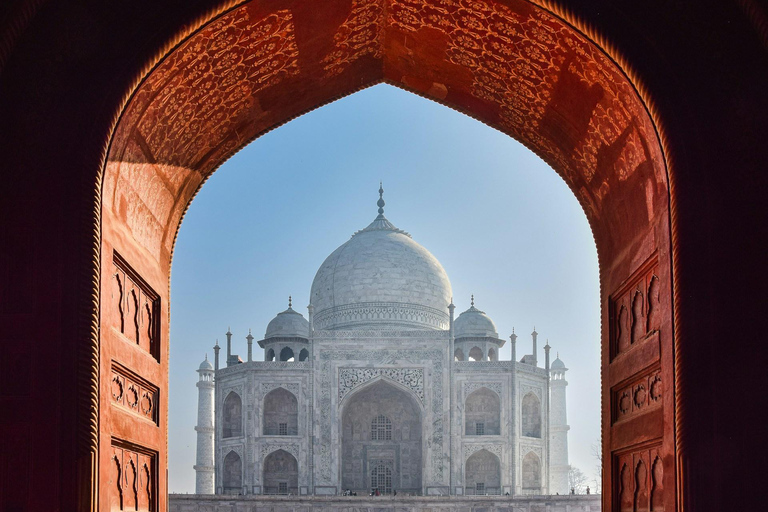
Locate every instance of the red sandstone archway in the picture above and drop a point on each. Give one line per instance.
(517, 67)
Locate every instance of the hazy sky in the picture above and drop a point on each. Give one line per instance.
(502, 223)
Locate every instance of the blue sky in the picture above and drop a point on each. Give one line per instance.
(503, 224)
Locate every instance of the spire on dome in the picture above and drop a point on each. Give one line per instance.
(290, 302)
(472, 301)
(380, 203)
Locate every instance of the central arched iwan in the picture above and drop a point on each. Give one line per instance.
(513, 65)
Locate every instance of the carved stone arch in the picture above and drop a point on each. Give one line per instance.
(482, 413)
(530, 412)
(622, 330)
(280, 472)
(531, 472)
(232, 415)
(475, 354)
(269, 355)
(483, 467)
(281, 413)
(286, 354)
(232, 473)
(458, 355)
(360, 450)
(493, 355)
(303, 355)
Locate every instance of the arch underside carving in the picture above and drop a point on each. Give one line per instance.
(512, 65)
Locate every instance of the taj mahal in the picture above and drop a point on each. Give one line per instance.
(382, 388)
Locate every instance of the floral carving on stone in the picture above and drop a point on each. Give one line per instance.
(469, 387)
(656, 388)
(351, 378)
(469, 449)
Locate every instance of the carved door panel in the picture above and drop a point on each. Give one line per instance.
(639, 442)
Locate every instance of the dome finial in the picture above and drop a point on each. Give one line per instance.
(290, 302)
(380, 202)
(473, 300)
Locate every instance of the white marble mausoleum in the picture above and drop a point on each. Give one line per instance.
(380, 387)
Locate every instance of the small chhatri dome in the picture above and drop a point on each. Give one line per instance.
(288, 324)
(557, 364)
(381, 277)
(206, 364)
(474, 323)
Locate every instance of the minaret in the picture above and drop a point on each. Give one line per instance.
(216, 349)
(229, 346)
(558, 429)
(513, 344)
(534, 336)
(204, 467)
(250, 345)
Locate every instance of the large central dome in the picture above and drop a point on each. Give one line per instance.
(381, 278)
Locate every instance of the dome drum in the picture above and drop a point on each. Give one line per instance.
(381, 313)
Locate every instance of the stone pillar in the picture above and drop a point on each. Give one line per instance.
(534, 337)
(558, 431)
(547, 444)
(204, 467)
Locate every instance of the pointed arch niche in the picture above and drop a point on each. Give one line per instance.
(529, 70)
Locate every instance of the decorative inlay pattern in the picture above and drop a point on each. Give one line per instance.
(643, 393)
(358, 36)
(527, 388)
(266, 387)
(482, 366)
(292, 448)
(380, 333)
(495, 449)
(469, 387)
(525, 449)
(133, 394)
(384, 313)
(380, 357)
(412, 378)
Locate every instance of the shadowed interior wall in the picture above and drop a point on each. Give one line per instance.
(281, 406)
(482, 406)
(281, 467)
(483, 467)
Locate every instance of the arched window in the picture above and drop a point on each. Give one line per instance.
(233, 474)
(492, 355)
(476, 354)
(286, 354)
(269, 355)
(281, 473)
(482, 413)
(232, 416)
(482, 474)
(303, 355)
(381, 429)
(458, 355)
(531, 472)
(281, 413)
(531, 412)
(381, 479)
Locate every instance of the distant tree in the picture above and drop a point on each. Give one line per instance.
(577, 480)
(597, 453)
